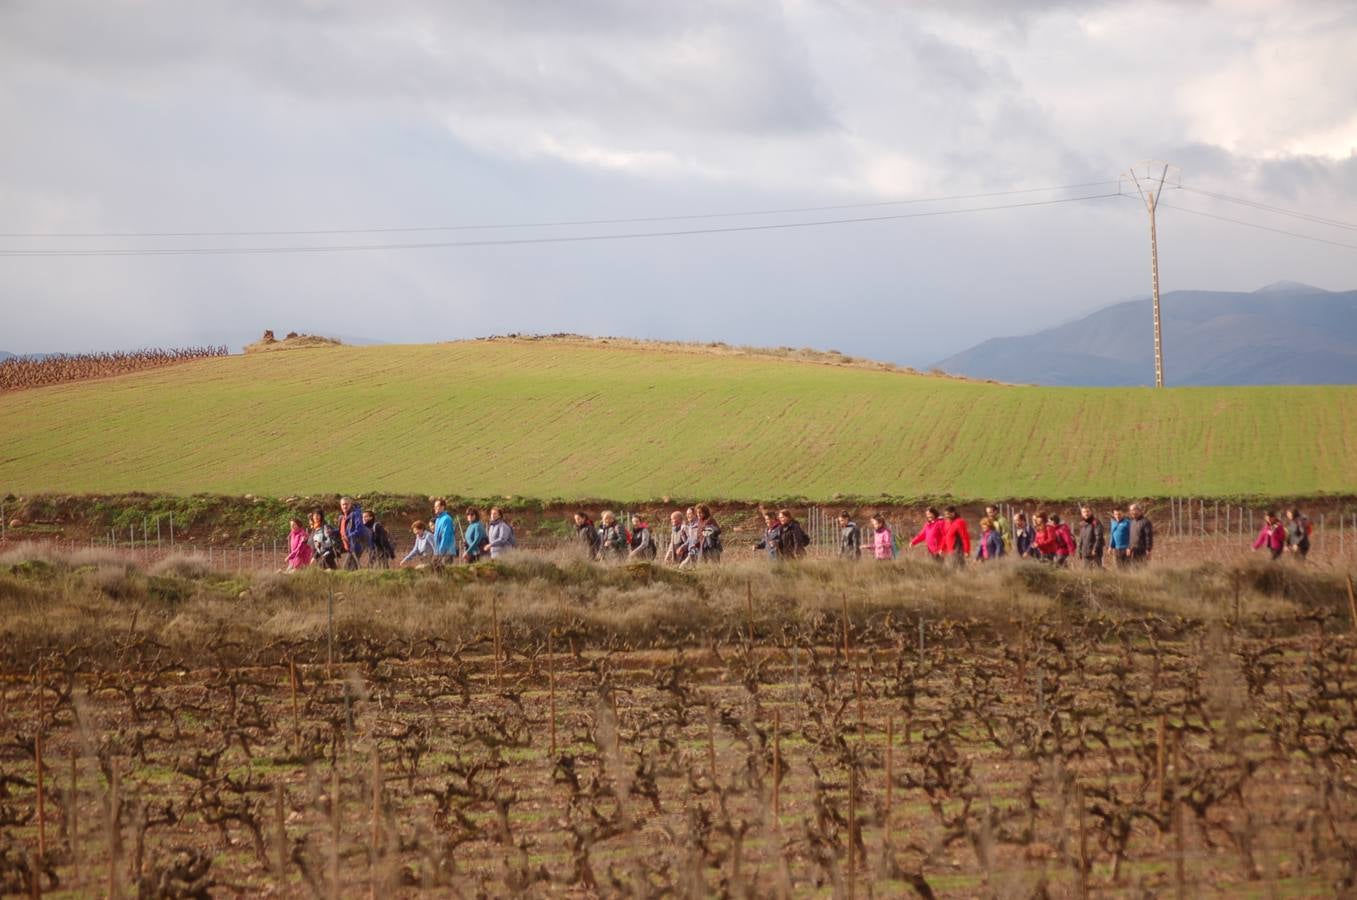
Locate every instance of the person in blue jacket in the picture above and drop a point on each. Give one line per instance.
(477, 541)
(990, 546)
(444, 533)
(1119, 536)
(357, 537)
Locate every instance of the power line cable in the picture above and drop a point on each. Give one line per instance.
(553, 224)
(562, 239)
(1309, 217)
(1295, 234)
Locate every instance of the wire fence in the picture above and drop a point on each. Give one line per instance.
(1186, 530)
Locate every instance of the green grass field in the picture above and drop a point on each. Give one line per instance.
(571, 420)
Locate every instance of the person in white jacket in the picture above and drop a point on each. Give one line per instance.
(425, 549)
(502, 538)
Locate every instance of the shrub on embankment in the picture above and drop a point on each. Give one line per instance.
(98, 600)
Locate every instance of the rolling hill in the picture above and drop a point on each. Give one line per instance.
(563, 419)
(1286, 333)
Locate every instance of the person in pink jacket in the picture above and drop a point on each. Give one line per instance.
(1273, 535)
(931, 534)
(298, 547)
(883, 542)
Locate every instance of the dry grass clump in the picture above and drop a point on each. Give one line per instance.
(180, 565)
(49, 599)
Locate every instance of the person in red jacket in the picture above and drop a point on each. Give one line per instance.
(1064, 541)
(1047, 541)
(1273, 535)
(931, 534)
(956, 537)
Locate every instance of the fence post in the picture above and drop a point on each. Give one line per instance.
(1321, 532)
(171, 531)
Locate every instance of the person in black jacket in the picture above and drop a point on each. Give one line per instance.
(1297, 533)
(640, 542)
(850, 537)
(1142, 535)
(793, 540)
(772, 535)
(383, 550)
(1091, 543)
(588, 534)
(1025, 537)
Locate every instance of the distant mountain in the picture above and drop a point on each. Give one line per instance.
(5, 354)
(1285, 333)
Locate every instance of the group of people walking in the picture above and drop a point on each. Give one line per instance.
(694, 537)
(360, 540)
(363, 542)
(946, 537)
(1277, 537)
(1128, 539)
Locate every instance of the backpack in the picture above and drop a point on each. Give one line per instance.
(802, 539)
(895, 546)
(711, 539)
(330, 541)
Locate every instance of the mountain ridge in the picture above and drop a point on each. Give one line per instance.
(1286, 333)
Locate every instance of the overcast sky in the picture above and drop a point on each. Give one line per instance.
(269, 115)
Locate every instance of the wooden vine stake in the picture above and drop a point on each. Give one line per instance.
(1352, 602)
(494, 612)
(74, 807)
(114, 890)
(890, 773)
(1179, 844)
(1159, 761)
(711, 746)
(1083, 844)
(847, 649)
(852, 831)
(42, 798)
(551, 687)
(376, 799)
(279, 836)
(777, 767)
(334, 832)
(749, 612)
(296, 715)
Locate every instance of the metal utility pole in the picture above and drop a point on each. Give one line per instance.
(1149, 179)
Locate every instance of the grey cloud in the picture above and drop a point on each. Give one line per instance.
(691, 66)
(263, 114)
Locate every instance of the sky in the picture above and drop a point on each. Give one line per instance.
(342, 115)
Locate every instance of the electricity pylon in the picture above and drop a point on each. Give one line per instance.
(1150, 179)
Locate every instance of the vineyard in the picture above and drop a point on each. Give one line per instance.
(23, 372)
(569, 730)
